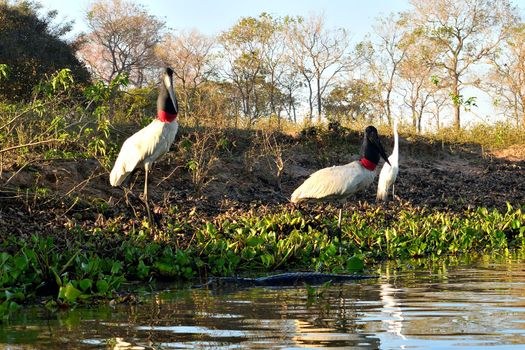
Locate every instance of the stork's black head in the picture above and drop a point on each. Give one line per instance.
(167, 100)
(372, 148)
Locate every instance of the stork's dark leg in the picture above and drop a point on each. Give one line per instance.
(393, 191)
(146, 201)
(127, 194)
(339, 230)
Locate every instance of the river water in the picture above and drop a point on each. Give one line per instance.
(447, 305)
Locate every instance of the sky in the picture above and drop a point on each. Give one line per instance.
(213, 16)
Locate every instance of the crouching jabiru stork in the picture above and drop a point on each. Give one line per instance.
(338, 182)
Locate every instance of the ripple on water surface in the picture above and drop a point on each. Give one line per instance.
(479, 305)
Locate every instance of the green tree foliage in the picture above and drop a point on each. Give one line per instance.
(246, 49)
(32, 47)
(350, 102)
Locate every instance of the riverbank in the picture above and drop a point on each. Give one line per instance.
(69, 237)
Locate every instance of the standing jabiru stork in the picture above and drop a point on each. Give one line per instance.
(145, 146)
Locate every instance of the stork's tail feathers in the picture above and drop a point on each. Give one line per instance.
(295, 197)
(382, 193)
(118, 174)
(126, 161)
(116, 178)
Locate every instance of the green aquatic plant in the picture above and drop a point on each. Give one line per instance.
(94, 263)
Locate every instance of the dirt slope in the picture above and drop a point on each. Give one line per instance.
(48, 194)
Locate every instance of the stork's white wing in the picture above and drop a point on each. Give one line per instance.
(145, 146)
(334, 182)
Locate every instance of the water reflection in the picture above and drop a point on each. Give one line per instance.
(465, 306)
(393, 315)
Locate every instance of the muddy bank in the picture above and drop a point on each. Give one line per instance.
(51, 194)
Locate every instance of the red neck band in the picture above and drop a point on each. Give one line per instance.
(368, 164)
(165, 117)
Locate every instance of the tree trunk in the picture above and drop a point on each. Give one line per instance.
(272, 95)
(310, 101)
(294, 113)
(521, 108)
(457, 104)
(438, 119)
(388, 111)
(516, 113)
(414, 118)
(521, 103)
(457, 124)
(420, 115)
(318, 101)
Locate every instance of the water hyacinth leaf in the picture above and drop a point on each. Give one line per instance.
(69, 292)
(182, 258)
(4, 257)
(331, 249)
(199, 263)
(116, 267)
(4, 309)
(355, 264)
(13, 306)
(248, 253)
(254, 241)
(20, 262)
(102, 286)
(142, 270)
(187, 272)
(15, 295)
(85, 284)
(166, 269)
(267, 260)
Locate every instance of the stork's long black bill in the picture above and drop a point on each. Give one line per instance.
(375, 139)
(169, 86)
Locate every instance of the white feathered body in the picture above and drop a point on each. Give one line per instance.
(143, 148)
(336, 182)
(389, 172)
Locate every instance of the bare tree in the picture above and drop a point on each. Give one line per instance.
(386, 56)
(466, 32)
(417, 71)
(191, 56)
(320, 55)
(507, 76)
(439, 99)
(290, 83)
(122, 40)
